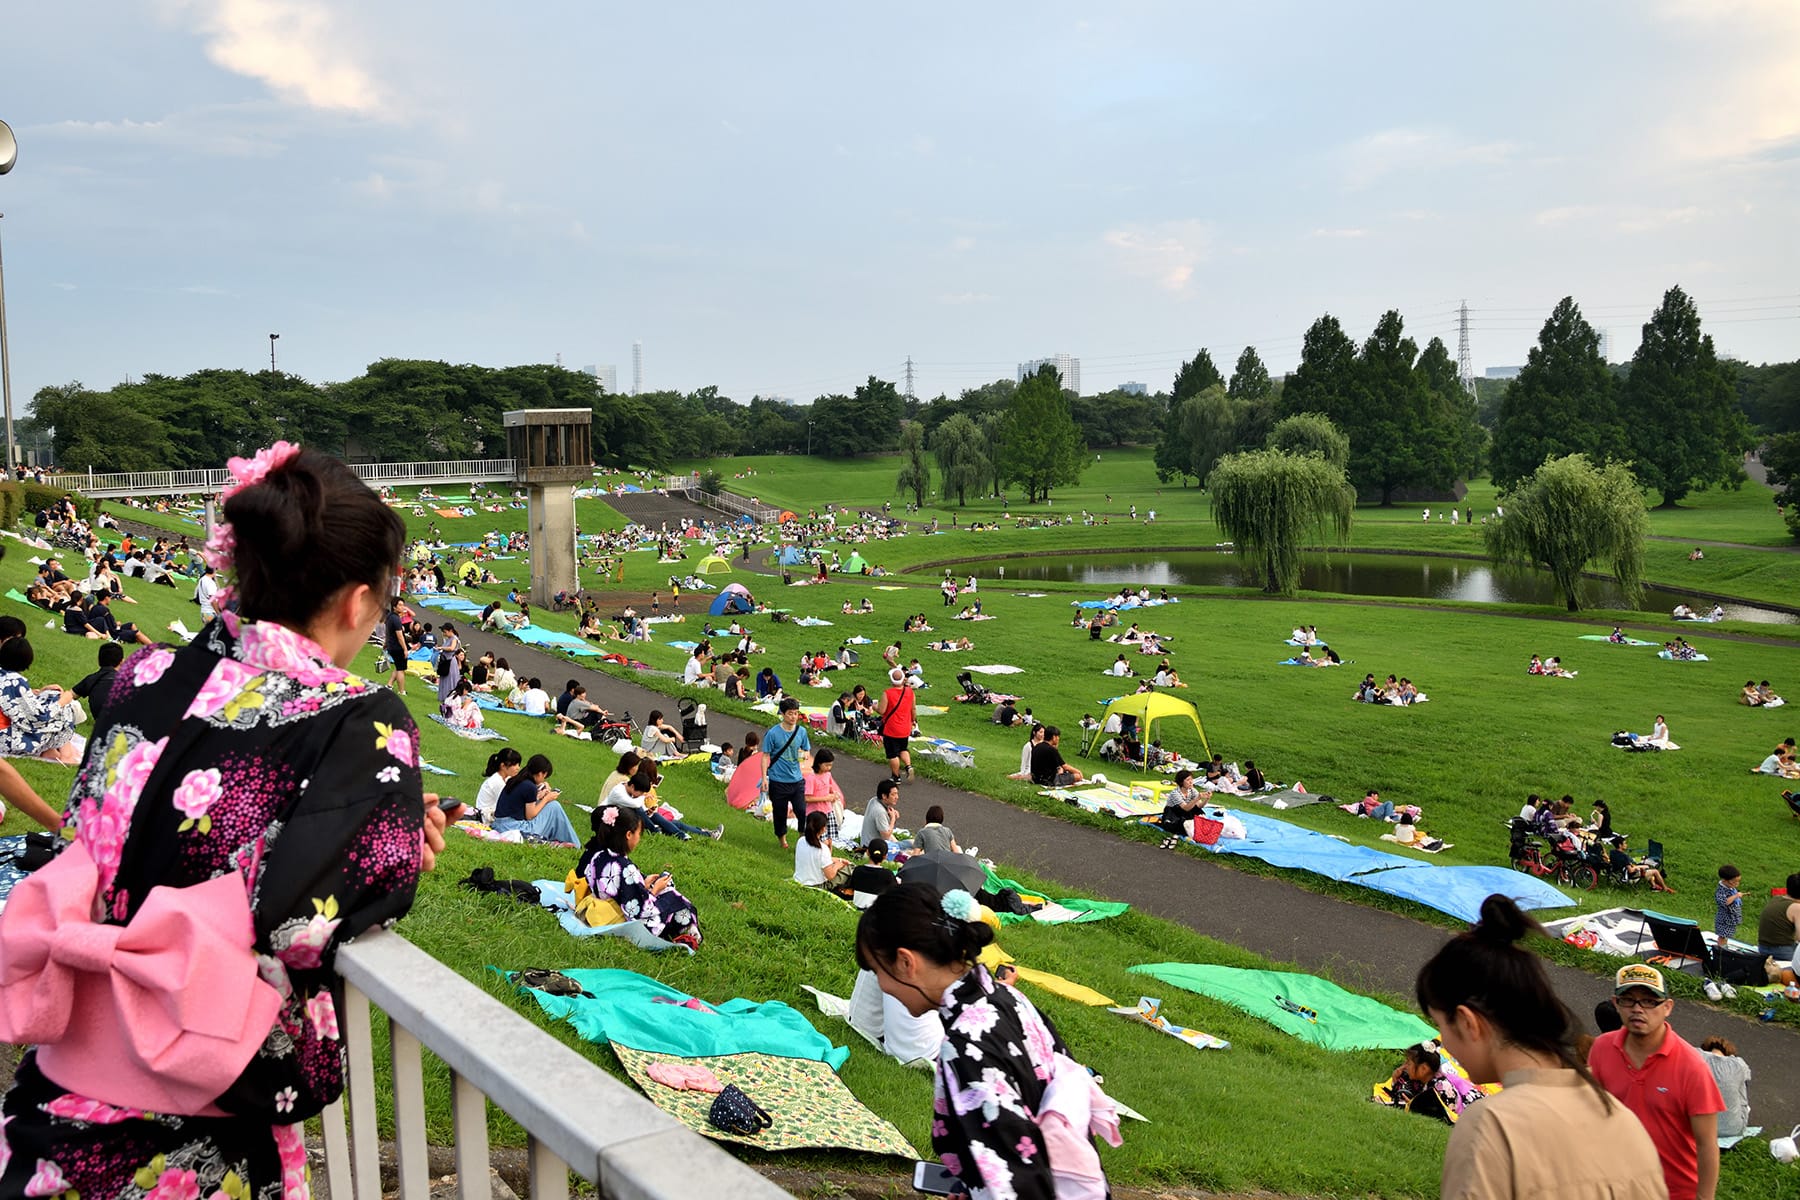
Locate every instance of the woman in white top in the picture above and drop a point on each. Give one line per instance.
(813, 864)
(502, 765)
(1031, 743)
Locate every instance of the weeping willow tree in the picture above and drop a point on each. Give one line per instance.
(1569, 513)
(1267, 501)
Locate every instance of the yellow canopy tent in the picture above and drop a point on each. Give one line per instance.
(1148, 708)
(712, 564)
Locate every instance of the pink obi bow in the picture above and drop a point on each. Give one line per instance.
(161, 1014)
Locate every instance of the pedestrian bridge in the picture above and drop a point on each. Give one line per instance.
(116, 485)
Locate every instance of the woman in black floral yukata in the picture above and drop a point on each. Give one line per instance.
(245, 805)
(1012, 1114)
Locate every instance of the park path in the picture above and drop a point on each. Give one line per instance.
(1360, 947)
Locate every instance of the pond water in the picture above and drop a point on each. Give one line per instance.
(1418, 576)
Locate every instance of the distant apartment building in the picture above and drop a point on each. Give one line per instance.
(1134, 388)
(607, 374)
(1068, 369)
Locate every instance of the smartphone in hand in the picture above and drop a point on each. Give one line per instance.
(935, 1179)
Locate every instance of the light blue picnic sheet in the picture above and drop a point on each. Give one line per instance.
(555, 897)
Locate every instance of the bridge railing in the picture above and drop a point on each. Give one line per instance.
(576, 1116)
(213, 480)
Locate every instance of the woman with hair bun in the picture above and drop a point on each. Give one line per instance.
(607, 868)
(245, 805)
(1013, 1113)
(1553, 1130)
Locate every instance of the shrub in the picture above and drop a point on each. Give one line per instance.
(12, 505)
(36, 496)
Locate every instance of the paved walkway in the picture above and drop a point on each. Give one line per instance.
(1360, 947)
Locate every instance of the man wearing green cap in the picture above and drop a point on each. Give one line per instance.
(1664, 1081)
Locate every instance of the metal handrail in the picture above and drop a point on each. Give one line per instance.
(576, 1115)
(213, 480)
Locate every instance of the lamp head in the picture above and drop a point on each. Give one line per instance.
(9, 148)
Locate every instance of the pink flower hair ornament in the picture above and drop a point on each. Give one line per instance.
(221, 544)
(610, 816)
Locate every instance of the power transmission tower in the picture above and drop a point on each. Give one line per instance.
(909, 377)
(1465, 361)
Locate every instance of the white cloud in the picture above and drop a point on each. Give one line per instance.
(958, 298)
(1651, 219)
(1339, 233)
(232, 131)
(1623, 218)
(962, 244)
(1368, 159)
(1749, 104)
(1166, 252)
(290, 45)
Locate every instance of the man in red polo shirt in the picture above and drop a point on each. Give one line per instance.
(1664, 1081)
(897, 724)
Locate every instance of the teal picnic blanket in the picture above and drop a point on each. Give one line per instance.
(637, 1011)
(1085, 910)
(1338, 1020)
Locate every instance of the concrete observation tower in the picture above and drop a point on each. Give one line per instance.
(553, 451)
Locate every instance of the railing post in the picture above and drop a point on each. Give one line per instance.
(409, 1113)
(469, 1114)
(365, 1146)
(549, 1174)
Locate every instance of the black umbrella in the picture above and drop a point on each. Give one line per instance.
(944, 871)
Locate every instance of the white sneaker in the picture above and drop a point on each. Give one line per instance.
(1712, 991)
(1729, 991)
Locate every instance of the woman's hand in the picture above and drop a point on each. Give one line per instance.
(432, 835)
(658, 884)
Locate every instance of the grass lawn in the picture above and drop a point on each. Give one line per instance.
(1271, 1113)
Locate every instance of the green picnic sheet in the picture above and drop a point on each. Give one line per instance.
(1084, 910)
(1345, 1021)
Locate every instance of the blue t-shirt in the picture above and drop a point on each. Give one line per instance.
(786, 767)
(521, 791)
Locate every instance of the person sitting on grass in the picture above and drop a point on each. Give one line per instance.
(529, 804)
(1031, 744)
(581, 715)
(823, 795)
(96, 688)
(1536, 668)
(1768, 697)
(1420, 1085)
(768, 683)
(814, 865)
(1619, 859)
(661, 740)
(639, 793)
(1373, 806)
(1120, 667)
(460, 710)
(1181, 804)
(1166, 676)
(1750, 695)
(869, 879)
(607, 868)
(40, 724)
(1048, 768)
(934, 835)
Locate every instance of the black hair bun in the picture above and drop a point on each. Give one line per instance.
(1502, 921)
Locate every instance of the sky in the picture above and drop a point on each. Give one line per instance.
(785, 199)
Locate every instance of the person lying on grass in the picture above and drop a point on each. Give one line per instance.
(814, 865)
(1420, 1085)
(606, 867)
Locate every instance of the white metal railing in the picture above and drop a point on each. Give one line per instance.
(212, 480)
(577, 1116)
(765, 514)
(681, 483)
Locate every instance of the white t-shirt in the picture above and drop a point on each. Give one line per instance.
(809, 862)
(1120, 667)
(204, 591)
(536, 702)
(1025, 757)
(691, 673)
(621, 797)
(487, 797)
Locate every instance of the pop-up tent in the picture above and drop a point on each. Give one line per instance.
(734, 598)
(1148, 708)
(790, 556)
(855, 565)
(712, 564)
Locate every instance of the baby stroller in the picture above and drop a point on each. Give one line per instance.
(612, 727)
(974, 691)
(693, 723)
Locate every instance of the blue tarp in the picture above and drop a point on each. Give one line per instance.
(1283, 845)
(790, 556)
(531, 635)
(448, 603)
(1458, 891)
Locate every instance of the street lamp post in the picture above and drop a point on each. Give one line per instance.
(9, 154)
(272, 338)
(809, 439)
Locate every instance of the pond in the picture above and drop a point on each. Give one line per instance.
(1420, 576)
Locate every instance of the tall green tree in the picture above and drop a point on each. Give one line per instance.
(1250, 378)
(961, 452)
(1268, 501)
(1452, 410)
(1398, 438)
(915, 471)
(1311, 433)
(1562, 403)
(1042, 448)
(1326, 375)
(1195, 376)
(1685, 426)
(1173, 457)
(1568, 514)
